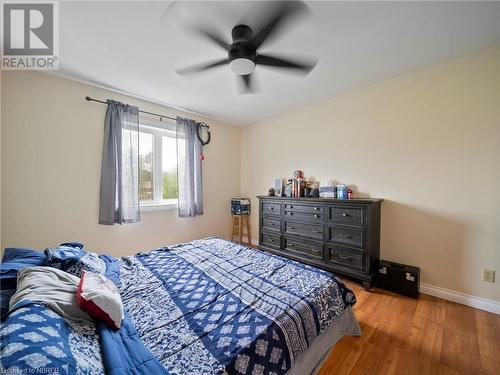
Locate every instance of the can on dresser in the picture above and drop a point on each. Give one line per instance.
(342, 191)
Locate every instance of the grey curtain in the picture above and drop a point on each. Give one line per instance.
(120, 165)
(189, 176)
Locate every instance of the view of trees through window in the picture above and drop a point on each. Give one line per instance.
(169, 167)
(146, 187)
(149, 171)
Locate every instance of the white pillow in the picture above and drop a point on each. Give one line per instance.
(100, 298)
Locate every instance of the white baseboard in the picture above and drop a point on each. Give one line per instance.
(462, 298)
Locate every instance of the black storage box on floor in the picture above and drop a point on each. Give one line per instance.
(399, 278)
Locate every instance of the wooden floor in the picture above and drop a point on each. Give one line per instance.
(425, 336)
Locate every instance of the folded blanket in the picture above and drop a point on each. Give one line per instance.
(51, 287)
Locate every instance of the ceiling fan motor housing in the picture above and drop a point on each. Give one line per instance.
(242, 54)
(242, 32)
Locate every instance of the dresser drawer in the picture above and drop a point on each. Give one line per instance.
(271, 208)
(304, 216)
(347, 215)
(312, 208)
(309, 248)
(271, 224)
(270, 239)
(346, 257)
(346, 236)
(307, 230)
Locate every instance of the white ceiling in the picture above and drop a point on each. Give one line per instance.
(136, 46)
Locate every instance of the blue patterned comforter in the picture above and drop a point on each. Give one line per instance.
(211, 306)
(36, 340)
(204, 307)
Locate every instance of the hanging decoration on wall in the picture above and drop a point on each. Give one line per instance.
(204, 136)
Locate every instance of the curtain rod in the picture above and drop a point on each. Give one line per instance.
(88, 98)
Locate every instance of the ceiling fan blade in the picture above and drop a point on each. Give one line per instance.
(247, 84)
(282, 63)
(214, 37)
(201, 67)
(283, 11)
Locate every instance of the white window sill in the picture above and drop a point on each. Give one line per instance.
(158, 206)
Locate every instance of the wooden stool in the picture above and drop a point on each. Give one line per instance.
(240, 221)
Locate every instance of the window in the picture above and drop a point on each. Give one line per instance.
(157, 164)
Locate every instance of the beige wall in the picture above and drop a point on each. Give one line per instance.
(51, 160)
(428, 142)
(438, 127)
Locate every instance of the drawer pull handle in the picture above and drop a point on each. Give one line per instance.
(316, 231)
(316, 215)
(270, 224)
(315, 250)
(316, 208)
(271, 208)
(291, 228)
(343, 235)
(270, 240)
(290, 213)
(344, 257)
(290, 206)
(345, 214)
(291, 245)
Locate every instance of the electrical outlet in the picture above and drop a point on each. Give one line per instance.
(489, 276)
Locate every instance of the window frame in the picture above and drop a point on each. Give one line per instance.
(158, 130)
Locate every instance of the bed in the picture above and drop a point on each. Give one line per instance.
(205, 307)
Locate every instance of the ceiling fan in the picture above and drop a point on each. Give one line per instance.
(242, 53)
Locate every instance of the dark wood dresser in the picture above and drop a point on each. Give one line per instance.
(339, 235)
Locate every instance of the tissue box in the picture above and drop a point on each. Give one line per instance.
(327, 191)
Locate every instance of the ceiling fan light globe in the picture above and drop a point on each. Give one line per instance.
(242, 66)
